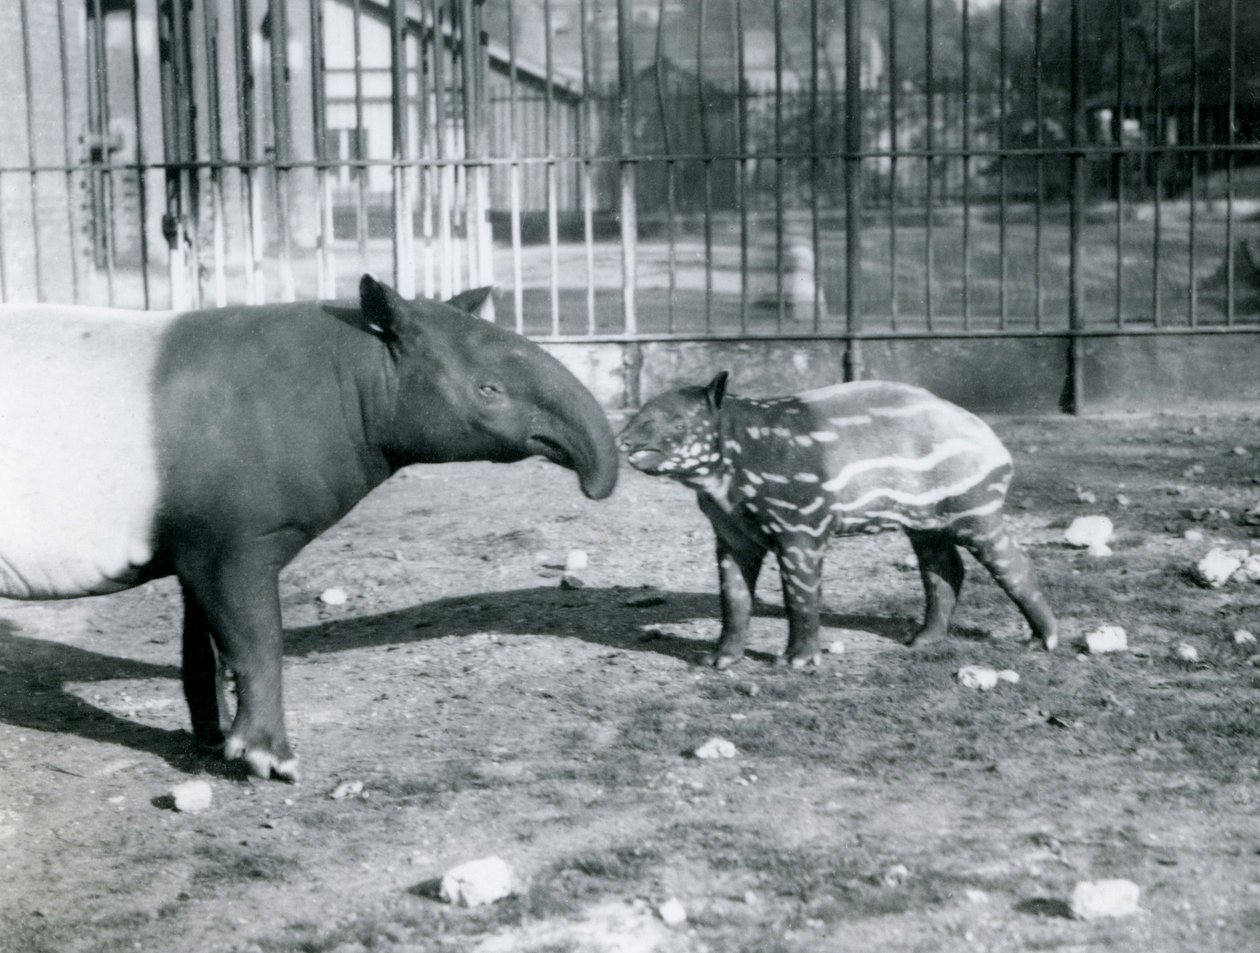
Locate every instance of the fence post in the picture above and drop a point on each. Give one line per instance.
(477, 180)
(1073, 402)
(626, 167)
(404, 267)
(853, 188)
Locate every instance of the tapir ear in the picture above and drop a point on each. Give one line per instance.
(384, 310)
(716, 390)
(472, 301)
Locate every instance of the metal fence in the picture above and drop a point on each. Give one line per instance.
(646, 169)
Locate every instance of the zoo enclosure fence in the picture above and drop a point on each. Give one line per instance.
(638, 170)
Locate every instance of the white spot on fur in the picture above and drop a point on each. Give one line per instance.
(824, 436)
(803, 440)
(806, 477)
(774, 478)
(815, 504)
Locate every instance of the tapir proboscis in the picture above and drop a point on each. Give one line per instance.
(783, 474)
(213, 445)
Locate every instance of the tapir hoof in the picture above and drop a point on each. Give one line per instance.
(798, 662)
(925, 637)
(719, 660)
(1049, 641)
(261, 762)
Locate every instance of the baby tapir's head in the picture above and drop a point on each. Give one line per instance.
(676, 433)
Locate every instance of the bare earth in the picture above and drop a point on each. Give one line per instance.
(872, 804)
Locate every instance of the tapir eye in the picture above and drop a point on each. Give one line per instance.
(490, 390)
(680, 427)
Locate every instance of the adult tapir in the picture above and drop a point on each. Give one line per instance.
(213, 445)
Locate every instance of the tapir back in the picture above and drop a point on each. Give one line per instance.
(78, 463)
(875, 453)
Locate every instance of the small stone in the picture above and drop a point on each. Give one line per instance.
(333, 597)
(1086, 496)
(576, 560)
(477, 882)
(1097, 899)
(346, 789)
(672, 912)
(1008, 675)
(571, 581)
(1186, 652)
(1122, 500)
(895, 875)
(907, 563)
(191, 796)
(1192, 536)
(1243, 637)
(1197, 469)
(1216, 568)
(1106, 638)
(975, 896)
(978, 677)
(1089, 532)
(715, 749)
(836, 647)
(752, 689)
(1250, 569)
(1099, 550)
(1240, 451)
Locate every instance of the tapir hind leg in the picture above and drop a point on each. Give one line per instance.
(989, 541)
(241, 601)
(205, 683)
(941, 568)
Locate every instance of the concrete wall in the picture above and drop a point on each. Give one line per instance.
(1014, 375)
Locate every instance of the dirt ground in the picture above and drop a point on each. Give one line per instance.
(872, 804)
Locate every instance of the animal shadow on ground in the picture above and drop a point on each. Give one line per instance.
(34, 673)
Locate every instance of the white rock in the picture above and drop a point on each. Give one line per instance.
(1008, 675)
(1250, 569)
(672, 912)
(1241, 451)
(477, 882)
(1243, 637)
(896, 875)
(715, 748)
(191, 796)
(346, 789)
(1099, 550)
(1085, 496)
(978, 677)
(836, 647)
(1216, 568)
(333, 597)
(1106, 638)
(1088, 532)
(576, 560)
(1186, 652)
(1193, 536)
(1095, 899)
(1122, 500)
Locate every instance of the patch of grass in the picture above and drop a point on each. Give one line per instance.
(218, 864)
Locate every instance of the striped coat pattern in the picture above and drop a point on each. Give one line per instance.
(784, 474)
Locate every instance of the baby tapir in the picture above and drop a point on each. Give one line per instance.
(785, 473)
(213, 445)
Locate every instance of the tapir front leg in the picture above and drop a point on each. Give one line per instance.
(800, 569)
(240, 597)
(205, 687)
(739, 565)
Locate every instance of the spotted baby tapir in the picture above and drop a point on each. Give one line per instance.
(784, 474)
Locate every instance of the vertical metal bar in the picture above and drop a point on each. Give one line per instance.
(1157, 160)
(626, 165)
(778, 165)
(670, 179)
(476, 193)
(815, 119)
(445, 169)
(325, 266)
(929, 251)
(741, 172)
(73, 237)
(966, 164)
(361, 172)
(98, 76)
(1076, 213)
(400, 103)
(1229, 162)
(1003, 112)
(31, 156)
(210, 26)
(853, 187)
(588, 185)
(1194, 157)
(425, 170)
(549, 140)
(893, 84)
(283, 139)
(707, 151)
(1039, 208)
(255, 290)
(1118, 168)
(514, 180)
